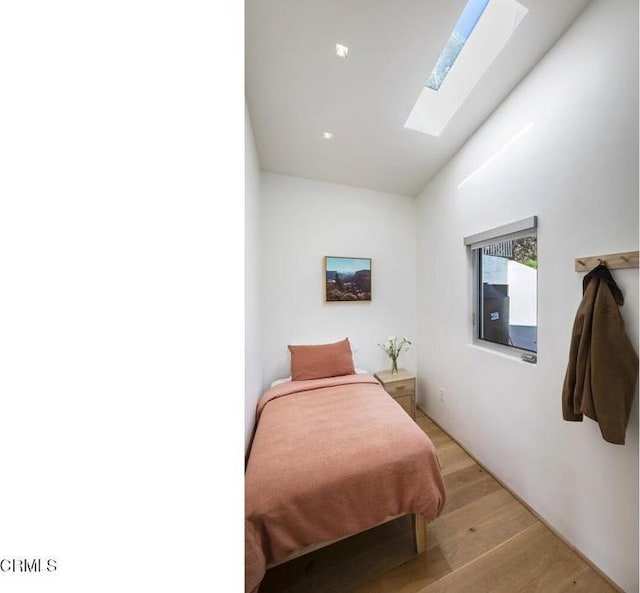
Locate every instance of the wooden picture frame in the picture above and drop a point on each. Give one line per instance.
(347, 279)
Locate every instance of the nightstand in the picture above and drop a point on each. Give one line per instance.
(401, 387)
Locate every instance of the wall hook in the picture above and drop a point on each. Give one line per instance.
(613, 261)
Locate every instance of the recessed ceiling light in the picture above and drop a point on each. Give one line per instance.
(342, 51)
(327, 135)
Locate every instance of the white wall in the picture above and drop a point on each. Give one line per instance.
(576, 168)
(252, 355)
(523, 290)
(302, 221)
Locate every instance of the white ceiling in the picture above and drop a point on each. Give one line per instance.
(297, 88)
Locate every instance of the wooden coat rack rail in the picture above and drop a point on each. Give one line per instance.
(614, 261)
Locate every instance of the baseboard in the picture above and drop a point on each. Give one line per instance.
(526, 505)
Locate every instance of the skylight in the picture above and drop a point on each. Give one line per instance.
(481, 33)
(465, 25)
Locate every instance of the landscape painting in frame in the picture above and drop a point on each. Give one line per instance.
(347, 278)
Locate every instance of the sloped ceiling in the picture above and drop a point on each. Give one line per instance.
(297, 88)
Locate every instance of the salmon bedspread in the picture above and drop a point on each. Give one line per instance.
(331, 458)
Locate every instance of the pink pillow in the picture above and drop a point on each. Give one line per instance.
(320, 361)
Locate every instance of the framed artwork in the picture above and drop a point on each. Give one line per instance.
(347, 279)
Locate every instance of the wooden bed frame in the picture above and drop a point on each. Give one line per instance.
(419, 534)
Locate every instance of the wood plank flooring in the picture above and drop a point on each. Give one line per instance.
(485, 541)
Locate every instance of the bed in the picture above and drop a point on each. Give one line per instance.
(332, 457)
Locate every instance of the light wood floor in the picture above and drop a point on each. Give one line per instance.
(485, 541)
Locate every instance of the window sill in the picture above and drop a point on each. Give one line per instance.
(506, 353)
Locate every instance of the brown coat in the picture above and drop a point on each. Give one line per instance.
(603, 365)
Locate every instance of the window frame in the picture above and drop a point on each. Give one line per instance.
(527, 227)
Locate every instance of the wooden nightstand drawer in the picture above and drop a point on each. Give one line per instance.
(397, 388)
(401, 386)
(406, 401)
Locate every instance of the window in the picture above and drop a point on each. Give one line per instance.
(505, 262)
(480, 34)
(465, 25)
